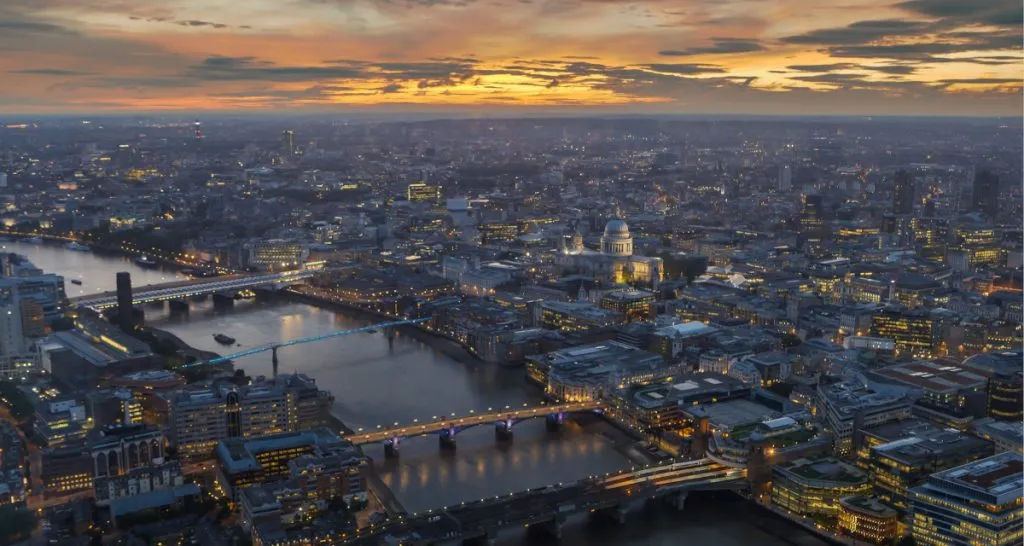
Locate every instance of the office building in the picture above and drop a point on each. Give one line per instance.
(633, 304)
(917, 334)
(243, 463)
(201, 418)
(785, 181)
(313, 479)
(18, 353)
(903, 193)
(276, 254)
(867, 519)
(898, 465)
(812, 219)
(288, 142)
(577, 316)
(66, 470)
(849, 406)
(662, 406)
(1005, 389)
(27, 282)
(1005, 435)
(977, 504)
(124, 300)
(424, 192)
(985, 193)
(975, 244)
(589, 372)
(813, 486)
(945, 387)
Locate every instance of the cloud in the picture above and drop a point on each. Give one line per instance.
(834, 67)
(968, 12)
(49, 72)
(687, 69)
(390, 88)
(861, 32)
(722, 46)
(197, 23)
(30, 26)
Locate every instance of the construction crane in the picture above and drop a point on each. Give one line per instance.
(273, 347)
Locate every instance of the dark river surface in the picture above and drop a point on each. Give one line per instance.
(379, 383)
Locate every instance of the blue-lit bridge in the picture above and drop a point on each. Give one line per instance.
(273, 347)
(194, 287)
(549, 506)
(448, 426)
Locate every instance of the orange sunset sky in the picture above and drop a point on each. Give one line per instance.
(922, 57)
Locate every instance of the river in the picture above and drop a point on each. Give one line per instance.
(379, 383)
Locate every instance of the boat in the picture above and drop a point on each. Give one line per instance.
(145, 261)
(245, 294)
(77, 246)
(76, 281)
(223, 339)
(34, 240)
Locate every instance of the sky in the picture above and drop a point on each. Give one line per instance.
(769, 57)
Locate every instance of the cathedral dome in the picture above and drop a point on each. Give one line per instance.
(616, 240)
(616, 227)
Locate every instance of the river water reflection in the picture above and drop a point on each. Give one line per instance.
(379, 383)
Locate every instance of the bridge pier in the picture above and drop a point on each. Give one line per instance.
(391, 448)
(677, 500)
(180, 305)
(554, 526)
(554, 422)
(503, 431)
(490, 539)
(446, 439)
(223, 299)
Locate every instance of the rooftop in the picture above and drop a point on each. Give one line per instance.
(933, 445)
(688, 389)
(932, 376)
(999, 477)
(868, 505)
(824, 469)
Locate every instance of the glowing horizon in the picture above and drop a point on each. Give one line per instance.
(872, 57)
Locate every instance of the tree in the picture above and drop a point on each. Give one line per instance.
(790, 340)
(12, 397)
(16, 523)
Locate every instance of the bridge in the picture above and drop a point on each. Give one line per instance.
(549, 506)
(273, 347)
(192, 288)
(448, 426)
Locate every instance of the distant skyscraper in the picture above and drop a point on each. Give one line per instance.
(197, 131)
(785, 178)
(985, 195)
(124, 300)
(288, 142)
(812, 219)
(3, 180)
(903, 193)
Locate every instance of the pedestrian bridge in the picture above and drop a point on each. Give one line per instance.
(194, 287)
(448, 426)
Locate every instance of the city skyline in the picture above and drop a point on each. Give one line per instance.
(916, 57)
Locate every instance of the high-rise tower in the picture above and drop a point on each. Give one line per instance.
(903, 193)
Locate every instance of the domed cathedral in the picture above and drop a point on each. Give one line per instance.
(616, 240)
(615, 261)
